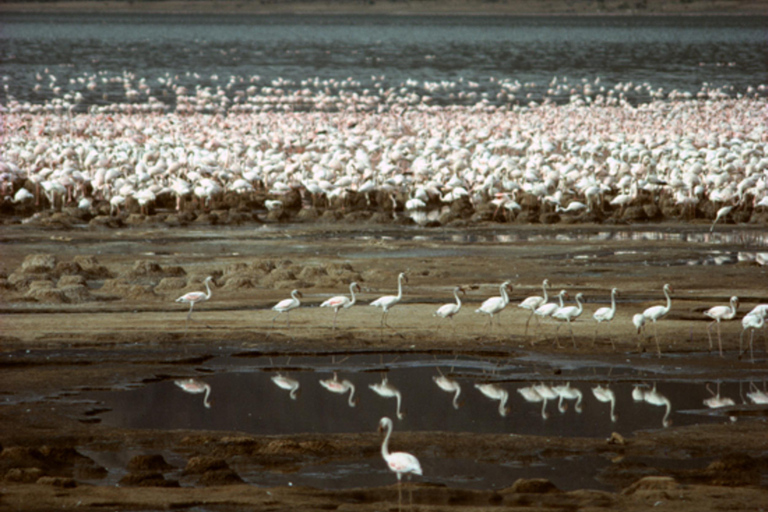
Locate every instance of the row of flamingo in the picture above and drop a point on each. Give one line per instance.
(537, 305)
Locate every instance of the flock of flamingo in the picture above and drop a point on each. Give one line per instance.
(538, 305)
(699, 155)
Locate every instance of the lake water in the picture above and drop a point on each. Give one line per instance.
(453, 59)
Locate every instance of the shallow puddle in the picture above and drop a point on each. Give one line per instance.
(259, 395)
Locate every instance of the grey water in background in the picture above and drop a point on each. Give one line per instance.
(370, 53)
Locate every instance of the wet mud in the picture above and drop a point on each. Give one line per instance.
(89, 316)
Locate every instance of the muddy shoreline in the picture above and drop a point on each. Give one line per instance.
(107, 318)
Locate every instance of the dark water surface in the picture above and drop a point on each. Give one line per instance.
(453, 59)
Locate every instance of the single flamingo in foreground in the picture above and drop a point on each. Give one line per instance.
(193, 298)
(401, 463)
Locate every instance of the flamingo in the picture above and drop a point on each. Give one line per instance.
(399, 462)
(567, 392)
(756, 396)
(388, 301)
(341, 302)
(718, 313)
(450, 386)
(569, 314)
(654, 313)
(751, 321)
(606, 314)
(195, 386)
(716, 401)
(386, 390)
(335, 386)
(494, 305)
(722, 212)
(550, 307)
(495, 392)
(534, 302)
(286, 305)
(606, 395)
(450, 310)
(288, 384)
(193, 298)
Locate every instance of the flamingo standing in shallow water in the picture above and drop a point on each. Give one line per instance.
(656, 312)
(399, 462)
(751, 321)
(193, 298)
(286, 305)
(717, 314)
(341, 302)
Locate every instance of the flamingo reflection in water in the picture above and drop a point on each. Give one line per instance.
(605, 394)
(334, 385)
(531, 395)
(566, 392)
(653, 397)
(450, 386)
(195, 386)
(386, 390)
(287, 383)
(715, 401)
(399, 462)
(495, 392)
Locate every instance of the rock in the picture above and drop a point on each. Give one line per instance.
(533, 486)
(57, 481)
(220, 477)
(203, 463)
(652, 483)
(38, 264)
(71, 280)
(147, 479)
(23, 475)
(154, 462)
(171, 284)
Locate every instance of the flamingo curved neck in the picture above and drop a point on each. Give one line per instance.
(351, 400)
(544, 291)
(503, 291)
(206, 402)
(352, 293)
(399, 398)
(613, 301)
(208, 288)
(456, 294)
(669, 299)
(456, 397)
(385, 444)
(503, 403)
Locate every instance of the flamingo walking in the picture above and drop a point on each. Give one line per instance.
(718, 313)
(286, 305)
(388, 301)
(401, 463)
(341, 302)
(533, 302)
(654, 313)
(751, 321)
(495, 305)
(193, 298)
(606, 314)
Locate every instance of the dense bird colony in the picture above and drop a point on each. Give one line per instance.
(580, 153)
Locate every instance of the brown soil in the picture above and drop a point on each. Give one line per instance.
(113, 291)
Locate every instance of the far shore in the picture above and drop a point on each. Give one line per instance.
(388, 7)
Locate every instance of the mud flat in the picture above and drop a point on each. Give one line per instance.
(89, 315)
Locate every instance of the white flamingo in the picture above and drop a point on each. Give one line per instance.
(754, 322)
(654, 313)
(606, 314)
(401, 463)
(566, 392)
(286, 305)
(533, 302)
(193, 298)
(334, 385)
(653, 397)
(388, 301)
(569, 314)
(342, 302)
(495, 305)
(195, 386)
(531, 395)
(717, 314)
(450, 310)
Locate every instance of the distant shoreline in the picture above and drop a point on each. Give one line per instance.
(390, 7)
